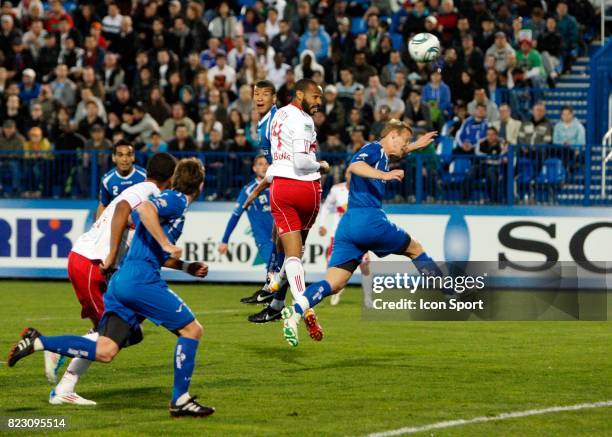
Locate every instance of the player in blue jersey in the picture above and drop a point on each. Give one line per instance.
(264, 96)
(259, 216)
(124, 175)
(137, 291)
(365, 226)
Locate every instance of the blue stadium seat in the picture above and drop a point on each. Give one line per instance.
(397, 40)
(458, 170)
(553, 172)
(525, 171)
(358, 25)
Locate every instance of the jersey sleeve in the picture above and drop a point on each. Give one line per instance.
(105, 195)
(134, 197)
(369, 154)
(302, 135)
(169, 205)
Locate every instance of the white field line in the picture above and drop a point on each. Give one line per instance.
(45, 318)
(482, 419)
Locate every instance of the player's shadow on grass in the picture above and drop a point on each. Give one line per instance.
(365, 362)
(19, 409)
(139, 397)
(281, 352)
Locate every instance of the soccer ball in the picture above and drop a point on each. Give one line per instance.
(424, 47)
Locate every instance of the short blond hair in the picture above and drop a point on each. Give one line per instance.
(395, 125)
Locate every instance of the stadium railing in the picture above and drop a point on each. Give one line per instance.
(524, 175)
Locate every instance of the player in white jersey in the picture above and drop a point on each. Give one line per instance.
(335, 204)
(295, 194)
(85, 263)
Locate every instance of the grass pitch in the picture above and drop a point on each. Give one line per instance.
(364, 377)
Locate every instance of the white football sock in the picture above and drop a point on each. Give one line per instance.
(295, 275)
(76, 369)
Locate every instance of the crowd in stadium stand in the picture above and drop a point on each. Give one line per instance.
(178, 75)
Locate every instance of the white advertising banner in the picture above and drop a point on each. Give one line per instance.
(36, 236)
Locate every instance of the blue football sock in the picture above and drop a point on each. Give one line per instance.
(282, 293)
(280, 260)
(313, 294)
(70, 345)
(427, 267)
(184, 363)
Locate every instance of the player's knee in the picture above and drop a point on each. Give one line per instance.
(106, 350)
(193, 330)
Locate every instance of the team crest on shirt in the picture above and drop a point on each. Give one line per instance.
(307, 127)
(162, 202)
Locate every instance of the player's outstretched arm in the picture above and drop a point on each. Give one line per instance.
(118, 224)
(197, 269)
(150, 219)
(423, 141)
(365, 170)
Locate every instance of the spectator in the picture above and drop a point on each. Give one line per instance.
(111, 24)
(37, 153)
(29, 89)
(382, 116)
(486, 37)
(244, 103)
(277, 71)
(300, 21)
(394, 66)
(472, 58)
(499, 50)
(507, 127)
(362, 70)
(222, 76)
(396, 104)
(93, 55)
(346, 87)
(374, 91)
(182, 141)
(492, 145)
(19, 57)
(343, 42)
(143, 84)
(358, 139)
(13, 110)
(360, 103)
(248, 73)
(97, 148)
(418, 114)
(316, 39)
(11, 146)
(89, 80)
(355, 121)
(8, 33)
(549, 44)
(91, 118)
(47, 57)
(480, 98)
(438, 96)
(35, 118)
(286, 93)
(192, 68)
(173, 88)
(125, 44)
(272, 24)
(155, 145)
(569, 131)
(177, 117)
(206, 126)
(119, 101)
(216, 105)
(307, 66)
(64, 90)
(473, 131)
(208, 57)
(464, 90)
(568, 28)
(224, 26)
(181, 38)
(34, 38)
(233, 123)
(538, 130)
(286, 42)
(529, 59)
(141, 126)
(334, 110)
(81, 110)
(237, 55)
